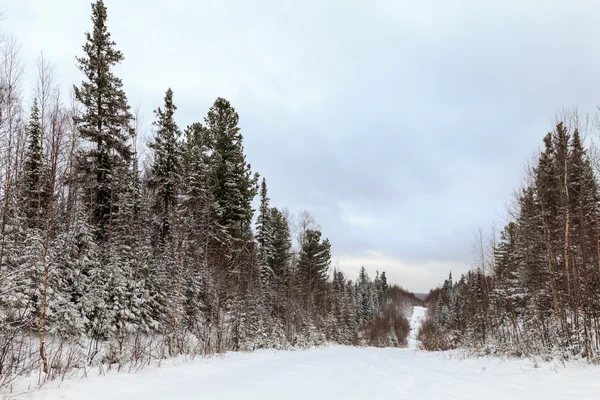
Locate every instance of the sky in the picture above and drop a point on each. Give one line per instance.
(402, 126)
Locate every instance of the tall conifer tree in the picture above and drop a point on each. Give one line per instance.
(166, 171)
(34, 164)
(105, 120)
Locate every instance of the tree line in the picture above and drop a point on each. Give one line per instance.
(539, 290)
(108, 257)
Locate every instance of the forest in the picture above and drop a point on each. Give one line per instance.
(110, 257)
(535, 290)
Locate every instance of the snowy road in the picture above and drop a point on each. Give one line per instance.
(340, 373)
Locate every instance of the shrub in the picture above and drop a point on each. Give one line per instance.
(432, 338)
(389, 330)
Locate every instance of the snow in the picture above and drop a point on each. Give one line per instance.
(416, 319)
(339, 372)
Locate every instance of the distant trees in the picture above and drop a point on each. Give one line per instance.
(109, 257)
(542, 294)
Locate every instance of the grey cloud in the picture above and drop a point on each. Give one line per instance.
(403, 126)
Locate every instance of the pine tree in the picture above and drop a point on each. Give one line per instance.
(105, 119)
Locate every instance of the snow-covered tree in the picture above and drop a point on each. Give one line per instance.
(166, 170)
(105, 120)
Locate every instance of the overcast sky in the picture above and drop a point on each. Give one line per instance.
(402, 126)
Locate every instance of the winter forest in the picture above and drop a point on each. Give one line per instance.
(119, 250)
(537, 290)
(109, 257)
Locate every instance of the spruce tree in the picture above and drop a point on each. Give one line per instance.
(541, 208)
(233, 184)
(282, 245)
(166, 170)
(233, 188)
(584, 202)
(34, 166)
(196, 213)
(384, 283)
(506, 275)
(105, 120)
(365, 296)
(313, 265)
(264, 235)
(197, 203)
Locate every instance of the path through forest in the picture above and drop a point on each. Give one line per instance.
(341, 373)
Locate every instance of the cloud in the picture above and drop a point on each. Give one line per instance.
(402, 126)
(416, 277)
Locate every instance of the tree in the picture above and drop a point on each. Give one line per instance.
(364, 296)
(233, 183)
(233, 187)
(166, 170)
(110, 259)
(315, 258)
(506, 279)
(282, 245)
(35, 192)
(264, 236)
(105, 119)
(197, 203)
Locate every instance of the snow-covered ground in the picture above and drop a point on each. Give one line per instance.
(416, 319)
(339, 373)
